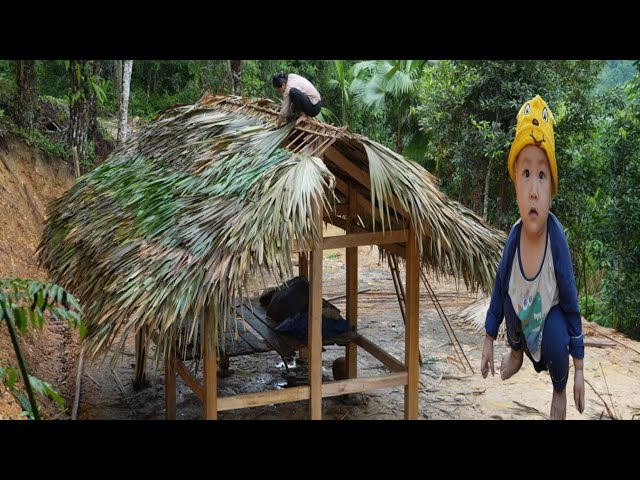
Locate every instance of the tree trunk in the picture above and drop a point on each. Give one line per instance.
(399, 144)
(124, 101)
(83, 104)
(399, 138)
(235, 70)
(25, 99)
(96, 68)
(117, 79)
(487, 182)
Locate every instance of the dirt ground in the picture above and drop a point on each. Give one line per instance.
(448, 388)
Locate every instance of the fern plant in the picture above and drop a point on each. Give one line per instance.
(24, 302)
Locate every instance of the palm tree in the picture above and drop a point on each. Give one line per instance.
(392, 86)
(342, 83)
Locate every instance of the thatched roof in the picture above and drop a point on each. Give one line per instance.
(207, 194)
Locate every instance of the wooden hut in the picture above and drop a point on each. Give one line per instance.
(169, 228)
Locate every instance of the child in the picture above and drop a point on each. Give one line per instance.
(535, 289)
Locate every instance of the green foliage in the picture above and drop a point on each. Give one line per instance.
(158, 84)
(36, 138)
(53, 78)
(393, 87)
(601, 205)
(341, 84)
(615, 73)
(24, 302)
(621, 284)
(9, 376)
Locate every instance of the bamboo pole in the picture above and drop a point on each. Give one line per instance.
(315, 318)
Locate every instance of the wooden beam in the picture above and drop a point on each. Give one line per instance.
(355, 385)
(258, 399)
(190, 380)
(362, 239)
(355, 172)
(315, 318)
(363, 203)
(210, 364)
(170, 384)
(352, 285)
(338, 209)
(303, 265)
(412, 332)
(347, 166)
(393, 248)
(294, 394)
(386, 358)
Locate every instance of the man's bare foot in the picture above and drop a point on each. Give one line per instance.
(302, 118)
(511, 363)
(559, 405)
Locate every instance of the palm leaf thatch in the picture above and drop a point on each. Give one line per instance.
(473, 316)
(179, 217)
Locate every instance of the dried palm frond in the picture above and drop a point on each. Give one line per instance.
(473, 317)
(453, 239)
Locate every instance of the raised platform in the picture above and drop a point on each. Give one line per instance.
(262, 335)
(286, 345)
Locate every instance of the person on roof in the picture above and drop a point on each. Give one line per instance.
(300, 99)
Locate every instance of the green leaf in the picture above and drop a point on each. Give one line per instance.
(33, 318)
(41, 297)
(9, 314)
(44, 389)
(21, 319)
(10, 374)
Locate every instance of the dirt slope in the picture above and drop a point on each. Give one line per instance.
(28, 182)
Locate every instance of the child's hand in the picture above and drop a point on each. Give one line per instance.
(578, 390)
(487, 357)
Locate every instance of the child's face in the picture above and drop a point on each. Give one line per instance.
(533, 189)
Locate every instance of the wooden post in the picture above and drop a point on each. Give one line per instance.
(140, 359)
(352, 285)
(170, 382)
(412, 332)
(209, 334)
(76, 161)
(303, 265)
(315, 318)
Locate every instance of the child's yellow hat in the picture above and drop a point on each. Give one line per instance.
(535, 127)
